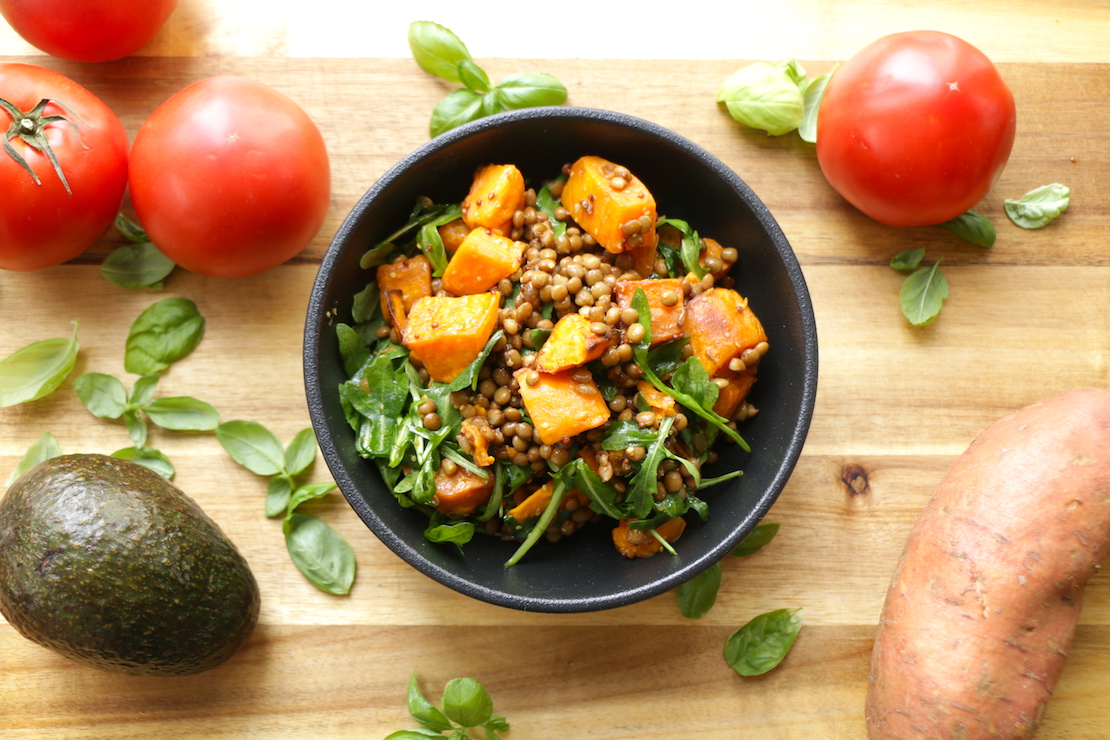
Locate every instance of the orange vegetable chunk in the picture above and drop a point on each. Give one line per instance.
(471, 430)
(573, 342)
(662, 404)
(611, 204)
(483, 259)
(643, 544)
(667, 322)
(495, 195)
(461, 492)
(413, 277)
(721, 326)
(559, 405)
(713, 248)
(447, 333)
(452, 233)
(733, 394)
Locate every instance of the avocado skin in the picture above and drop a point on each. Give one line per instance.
(107, 563)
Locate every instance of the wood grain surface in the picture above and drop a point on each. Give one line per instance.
(895, 404)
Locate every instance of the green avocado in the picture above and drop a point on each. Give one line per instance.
(108, 563)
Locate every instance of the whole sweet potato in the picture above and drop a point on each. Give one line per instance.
(981, 610)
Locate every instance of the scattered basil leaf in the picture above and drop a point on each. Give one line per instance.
(456, 108)
(908, 260)
(974, 227)
(130, 230)
(164, 333)
(136, 426)
(103, 395)
(36, 370)
(765, 96)
(318, 551)
(529, 90)
(418, 734)
(437, 49)
(143, 390)
(423, 711)
(309, 492)
(923, 294)
(301, 452)
(279, 491)
(812, 94)
(253, 446)
(466, 702)
(41, 450)
(762, 643)
(148, 457)
(140, 265)
(697, 596)
(1039, 207)
(183, 413)
(757, 538)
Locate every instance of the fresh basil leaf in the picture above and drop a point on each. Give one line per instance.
(130, 230)
(764, 96)
(456, 533)
(437, 49)
(529, 90)
(1039, 207)
(466, 702)
(140, 265)
(103, 395)
(697, 595)
(423, 711)
(762, 643)
(413, 735)
(908, 260)
(36, 370)
(454, 109)
(253, 446)
(923, 294)
(278, 492)
(41, 450)
(320, 553)
(148, 457)
(473, 77)
(308, 492)
(301, 452)
(136, 426)
(974, 227)
(813, 92)
(164, 333)
(183, 413)
(757, 538)
(143, 390)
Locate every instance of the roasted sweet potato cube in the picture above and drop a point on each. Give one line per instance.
(662, 404)
(711, 251)
(559, 405)
(733, 394)
(447, 333)
(640, 543)
(573, 342)
(721, 326)
(611, 204)
(472, 432)
(534, 503)
(412, 277)
(483, 259)
(667, 321)
(496, 193)
(461, 492)
(452, 233)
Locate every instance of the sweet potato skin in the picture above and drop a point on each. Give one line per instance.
(982, 607)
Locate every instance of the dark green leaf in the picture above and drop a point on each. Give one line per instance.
(457, 533)
(974, 227)
(546, 204)
(148, 457)
(423, 711)
(757, 538)
(103, 395)
(690, 251)
(1039, 207)
(762, 643)
(641, 493)
(665, 358)
(36, 370)
(437, 49)
(164, 333)
(134, 266)
(253, 446)
(379, 254)
(183, 413)
(625, 433)
(130, 230)
(41, 450)
(923, 294)
(354, 353)
(431, 244)
(908, 260)
(367, 303)
(697, 596)
(466, 702)
(320, 553)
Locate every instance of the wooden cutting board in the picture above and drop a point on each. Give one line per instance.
(895, 405)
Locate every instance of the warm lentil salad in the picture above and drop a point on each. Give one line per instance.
(529, 361)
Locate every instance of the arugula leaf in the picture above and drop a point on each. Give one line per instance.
(320, 553)
(41, 450)
(1039, 207)
(546, 204)
(974, 227)
(558, 491)
(36, 370)
(762, 643)
(697, 596)
(923, 294)
(164, 333)
(757, 538)
(641, 490)
(690, 251)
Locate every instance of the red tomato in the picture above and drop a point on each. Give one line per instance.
(915, 128)
(230, 177)
(41, 222)
(87, 30)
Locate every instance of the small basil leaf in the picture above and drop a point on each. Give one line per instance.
(140, 265)
(413, 735)
(103, 395)
(143, 390)
(1039, 207)
(423, 711)
(366, 303)
(320, 553)
(136, 426)
(183, 413)
(253, 446)
(308, 492)
(456, 108)
(697, 596)
(36, 370)
(278, 492)
(764, 96)
(437, 49)
(164, 333)
(908, 260)
(301, 452)
(150, 458)
(762, 643)
(466, 702)
(974, 227)
(757, 538)
(923, 294)
(530, 90)
(131, 230)
(41, 450)
(473, 77)
(455, 533)
(813, 93)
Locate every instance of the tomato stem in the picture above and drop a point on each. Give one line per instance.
(30, 128)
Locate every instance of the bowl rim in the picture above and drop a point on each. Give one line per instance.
(315, 322)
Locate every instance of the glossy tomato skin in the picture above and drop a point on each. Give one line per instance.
(87, 30)
(229, 177)
(915, 128)
(41, 224)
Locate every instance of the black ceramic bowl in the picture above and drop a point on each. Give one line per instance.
(583, 572)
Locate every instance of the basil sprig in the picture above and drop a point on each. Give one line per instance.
(36, 370)
(440, 52)
(465, 705)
